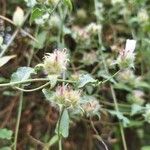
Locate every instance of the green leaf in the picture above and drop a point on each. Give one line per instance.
(106, 76)
(5, 134)
(63, 127)
(121, 117)
(53, 140)
(122, 86)
(5, 59)
(53, 80)
(135, 123)
(22, 74)
(5, 148)
(48, 94)
(36, 13)
(2, 80)
(41, 37)
(135, 109)
(146, 147)
(85, 79)
(68, 3)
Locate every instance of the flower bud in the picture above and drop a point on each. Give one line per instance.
(93, 28)
(91, 107)
(55, 63)
(89, 58)
(126, 76)
(66, 96)
(81, 14)
(80, 34)
(18, 16)
(136, 97)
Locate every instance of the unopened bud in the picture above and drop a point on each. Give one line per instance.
(18, 16)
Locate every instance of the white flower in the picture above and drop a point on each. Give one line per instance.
(130, 46)
(55, 63)
(18, 16)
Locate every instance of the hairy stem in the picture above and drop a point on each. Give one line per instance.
(18, 120)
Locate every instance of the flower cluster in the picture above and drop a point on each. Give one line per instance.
(93, 28)
(66, 96)
(55, 63)
(136, 97)
(90, 106)
(127, 55)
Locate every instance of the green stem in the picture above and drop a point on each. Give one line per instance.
(18, 120)
(106, 69)
(31, 90)
(60, 144)
(120, 124)
(60, 136)
(33, 80)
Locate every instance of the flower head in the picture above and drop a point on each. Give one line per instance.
(66, 96)
(93, 28)
(127, 55)
(55, 63)
(136, 97)
(91, 107)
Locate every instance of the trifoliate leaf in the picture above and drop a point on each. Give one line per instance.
(5, 134)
